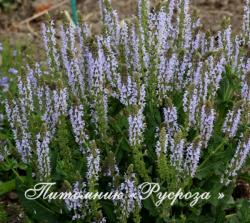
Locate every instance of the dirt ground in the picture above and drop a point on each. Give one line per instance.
(210, 11)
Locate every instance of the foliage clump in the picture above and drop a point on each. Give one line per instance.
(152, 99)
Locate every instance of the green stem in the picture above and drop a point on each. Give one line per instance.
(17, 175)
(211, 154)
(14, 171)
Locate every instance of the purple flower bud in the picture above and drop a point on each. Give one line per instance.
(13, 71)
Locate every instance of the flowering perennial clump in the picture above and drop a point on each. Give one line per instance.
(153, 98)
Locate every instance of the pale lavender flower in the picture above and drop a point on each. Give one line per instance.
(220, 40)
(229, 45)
(136, 120)
(4, 152)
(136, 128)
(23, 145)
(52, 32)
(235, 123)
(170, 119)
(170, 14)
(111, 67)
(162, 29)
(111, 21)
(187, 25)
(239, 158)
(196, 42)
(25, 91)
(177, 153)
(4, 83)
(171, 69)
(13, 71)
(93, 163)
(212, 44)
(218, 70)
(245, 88)
(125, 42)
(75, 203)
(43, 154)
(237, 51)
(206, 123)
(40, 96)
(19, 125)
(232, 122)
(158, 148)
(161, 76)
(185, 101)
(1, 120)
(48, 106)
(246, 18)
(185, 66)
(245, 91)
(166, 74)
(197, 74)
(72, 39)
(31, 84)
(56, 105)
(64, 55)
(14, 53)
(135, 47)
(129, 93)
(162, 142)
(193, 107)
(39, 91)
(38, 70)
(60, 100)
(192, 158)
(103, 220)
(99, 92)
(46, 43)
(203, 43)
(78, 126)
(132, 195)
(196, 24)
(152, 24)
(146, 57)
(207, 81)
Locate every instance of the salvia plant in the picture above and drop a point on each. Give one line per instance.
(153, 98)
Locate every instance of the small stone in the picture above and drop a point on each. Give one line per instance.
(13, 196)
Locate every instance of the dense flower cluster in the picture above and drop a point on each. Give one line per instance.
(241, 153)
(160, 63)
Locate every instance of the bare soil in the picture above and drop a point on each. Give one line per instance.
(211, 12)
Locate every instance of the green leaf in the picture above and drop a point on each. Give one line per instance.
(8, 186)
